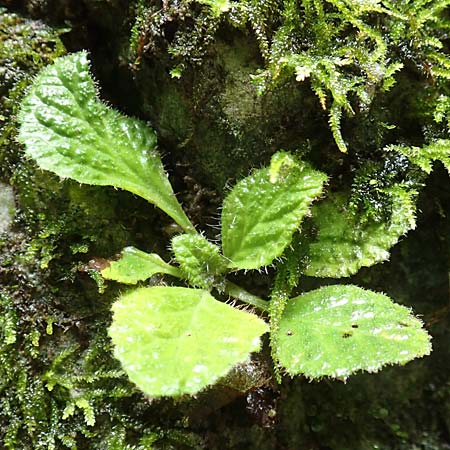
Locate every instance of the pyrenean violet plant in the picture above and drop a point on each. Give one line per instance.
(178, 340)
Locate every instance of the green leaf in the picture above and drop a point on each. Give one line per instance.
(68, 131)
(173, 341)
(423, 157)
(288, 272)
(337, 330)
(135, 265)
(200, 260)
(344, 244)
(263, 211)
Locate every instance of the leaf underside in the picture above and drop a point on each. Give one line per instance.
(337, 330)
(263, 210)
(135, 265)
(173, 341)
(343, 244)
(68, 131)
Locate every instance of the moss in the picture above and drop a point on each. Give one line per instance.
(60, 386)
(213, 121)
(349, 55)
(25, 47)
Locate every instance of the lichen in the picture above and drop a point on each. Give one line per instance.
(7, 207)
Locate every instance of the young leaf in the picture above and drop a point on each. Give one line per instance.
(337, 330)
(423, 157)
(68, 131)
(135, 265)
(263, 210)
(173, 341)
(200, 260)
(344, 244)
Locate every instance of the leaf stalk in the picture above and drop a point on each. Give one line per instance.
(233, 290)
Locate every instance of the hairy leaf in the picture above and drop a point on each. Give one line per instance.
(424, 157)
(200, 260)
(135, 265)
(263, 210)
(344, 244)
(68, 131)
(337, 330)
(173, 341)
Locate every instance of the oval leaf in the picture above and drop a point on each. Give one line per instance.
(173, 341)
(135, 265)
(337, 330)
(68, 131)
(344, 244)
(263, 210)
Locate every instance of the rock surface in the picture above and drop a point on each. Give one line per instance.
(60, 386)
